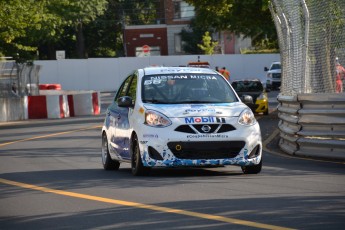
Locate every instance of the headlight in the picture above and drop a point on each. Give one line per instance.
(247, 118)
(269, 75)
(156, 119)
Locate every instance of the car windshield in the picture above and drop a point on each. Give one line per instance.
(186, 88)
(275, 66)
(247, 86)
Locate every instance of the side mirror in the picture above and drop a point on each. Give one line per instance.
(125, 101)
(247, 99)
(266, 69)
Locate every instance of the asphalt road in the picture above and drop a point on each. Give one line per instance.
(51, 177)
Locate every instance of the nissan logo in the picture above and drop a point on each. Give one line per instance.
(206, 128)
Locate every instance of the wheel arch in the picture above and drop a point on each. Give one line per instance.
(134, 137)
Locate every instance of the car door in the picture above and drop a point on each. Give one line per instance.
(117, 122)
(120, 115)
(123, 130)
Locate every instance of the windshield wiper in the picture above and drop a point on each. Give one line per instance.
(192, 102)
(155, 102)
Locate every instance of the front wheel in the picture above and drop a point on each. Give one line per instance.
(252, 169)
(108, 163)
(138, 168)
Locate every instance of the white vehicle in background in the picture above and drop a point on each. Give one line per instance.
(273, 76)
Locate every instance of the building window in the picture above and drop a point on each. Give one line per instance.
(178, 43)
(183, 10)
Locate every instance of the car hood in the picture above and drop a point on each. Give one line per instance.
(253, 94)
(195, 110)
(275, 71)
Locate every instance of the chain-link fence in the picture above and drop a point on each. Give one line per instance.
(17, 80)
(311, 37)
(311, 107)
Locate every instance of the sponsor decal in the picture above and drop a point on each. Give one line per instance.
(206, 77)
(207, 136)
(159, 79)
(196, 120)
(201, 110)
(150, 135)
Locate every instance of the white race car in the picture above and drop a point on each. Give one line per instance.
(178, 117)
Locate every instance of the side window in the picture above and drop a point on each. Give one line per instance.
(132, 92)
(124, 87)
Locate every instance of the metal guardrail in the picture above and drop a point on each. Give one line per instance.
(312, 125)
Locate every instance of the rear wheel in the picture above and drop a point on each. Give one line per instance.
(138, 168)
(108, 163)
(252, 169)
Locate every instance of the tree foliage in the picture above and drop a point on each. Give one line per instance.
(28, 25)
(191, 37)
(251, 18)
(91, 28)
(207, 45)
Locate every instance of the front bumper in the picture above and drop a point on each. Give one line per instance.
(169, 148)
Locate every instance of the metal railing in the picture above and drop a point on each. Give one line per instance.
(312, 125)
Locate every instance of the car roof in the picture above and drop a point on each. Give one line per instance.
(170, 70)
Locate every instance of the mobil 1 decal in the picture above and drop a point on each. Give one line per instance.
(197, 120)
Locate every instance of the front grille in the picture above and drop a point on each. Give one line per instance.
(185, 129)
(214, 128)
(276, 83)
(276, 75)
(226, 128)
(206, 150)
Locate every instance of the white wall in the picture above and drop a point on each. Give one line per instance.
(106, 74)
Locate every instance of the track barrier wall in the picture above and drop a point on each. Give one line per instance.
(312, 125)
(51, 104)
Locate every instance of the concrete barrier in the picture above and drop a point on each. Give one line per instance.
(84, 104)
(50, 104)
(13, 109)
(80, 103)
(47, 106)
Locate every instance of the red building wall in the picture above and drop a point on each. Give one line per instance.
(145, 36)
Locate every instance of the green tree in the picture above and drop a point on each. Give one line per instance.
(251, 18)
(191, 37)
(28, 25)
(79, 13)
(23, 24)
(207, 44)
(140, 12)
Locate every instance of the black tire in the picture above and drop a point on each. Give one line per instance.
(108, 163)
(266, 112)
(253, 169)
(138, 168)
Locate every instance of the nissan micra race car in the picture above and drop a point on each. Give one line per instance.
(179, 117)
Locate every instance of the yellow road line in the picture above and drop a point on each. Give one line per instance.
(144, 206)
(49, 135)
